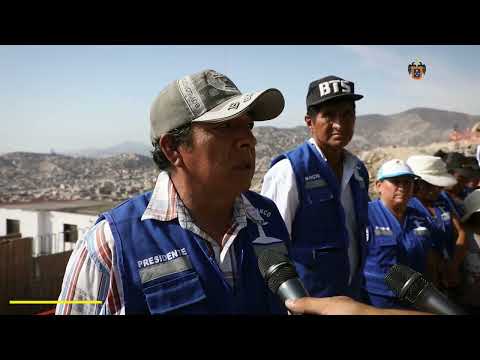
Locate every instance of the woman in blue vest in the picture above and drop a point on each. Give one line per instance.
(449, 234)
(397, 233)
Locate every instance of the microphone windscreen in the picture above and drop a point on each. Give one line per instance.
(399, 276)
(275, 268)
(267, 258)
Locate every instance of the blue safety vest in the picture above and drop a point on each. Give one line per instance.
(319, 246)
(390, 243)
(446, 200)
(443, 234)
(167, 269)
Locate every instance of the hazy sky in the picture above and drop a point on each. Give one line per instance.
(73, 97)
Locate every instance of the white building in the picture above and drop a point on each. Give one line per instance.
(54, 225)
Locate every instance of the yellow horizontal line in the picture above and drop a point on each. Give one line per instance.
(54, 302)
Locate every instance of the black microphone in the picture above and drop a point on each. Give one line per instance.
(410, 285)
(280, 275)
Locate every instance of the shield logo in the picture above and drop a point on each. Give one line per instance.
(417, 70)
(221, 82)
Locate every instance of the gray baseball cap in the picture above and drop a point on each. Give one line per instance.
(209, 96)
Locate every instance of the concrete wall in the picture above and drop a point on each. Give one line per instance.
(46, 227)
(29, 221)
(56, 220)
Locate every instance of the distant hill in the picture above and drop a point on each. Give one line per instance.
(414, 128)
(48, 165)
(28, 177)
(129, 147)
(417, 127)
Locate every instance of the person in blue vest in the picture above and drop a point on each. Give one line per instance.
(397, 234)
(449, 195)
(321, 191)
(190, 246)
(449, 235)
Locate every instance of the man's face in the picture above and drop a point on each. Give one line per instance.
(473, 182)
(395, 191)
(427, 192)
(334, 124)
(222, 156)
(462, 182)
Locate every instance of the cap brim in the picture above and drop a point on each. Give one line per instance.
(384, 177)
(446, 180)
(262, 105)
(353, 97)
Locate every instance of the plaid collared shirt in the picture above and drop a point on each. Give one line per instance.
(92, 271)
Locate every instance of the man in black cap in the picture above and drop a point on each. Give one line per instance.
(321, 190)
(465, 170)
(474, 178)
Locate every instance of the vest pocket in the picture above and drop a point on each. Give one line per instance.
(382, 255)
(321, 210)
(177, 293)
(374, 283)
(383, 240)
(312, 254)
(323, 270)
(322, 194)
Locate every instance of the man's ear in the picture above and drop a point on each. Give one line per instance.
(309, 121)
(378, 184)
(170, 150)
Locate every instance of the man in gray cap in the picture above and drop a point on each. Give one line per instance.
(321, 190)
(190, 246)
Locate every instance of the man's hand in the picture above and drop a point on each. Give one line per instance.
(340, 305)
(337, 305)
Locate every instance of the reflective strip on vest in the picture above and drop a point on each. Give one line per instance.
(163, 269)
(278, 247)
(264, 242)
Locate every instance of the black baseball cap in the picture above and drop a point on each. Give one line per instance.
(465, 166)
(455, 160)
(330, 88)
